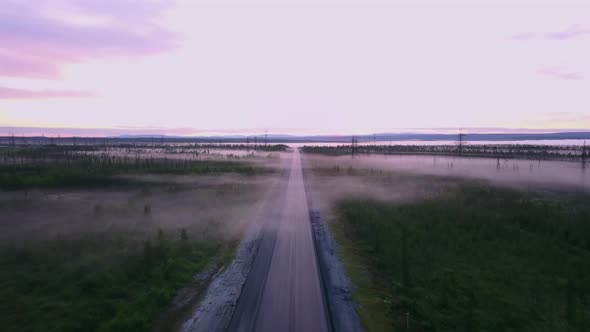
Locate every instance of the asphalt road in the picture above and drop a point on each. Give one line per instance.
(283, 291)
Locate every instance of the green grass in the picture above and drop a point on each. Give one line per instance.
(475, 258)
(112, 281)
(86, 174)
(369, 288)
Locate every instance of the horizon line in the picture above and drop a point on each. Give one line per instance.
(32, 131)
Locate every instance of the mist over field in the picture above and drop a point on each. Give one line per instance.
(516, 172)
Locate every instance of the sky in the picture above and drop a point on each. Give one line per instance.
(196, 67)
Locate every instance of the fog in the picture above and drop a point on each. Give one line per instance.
(219, 206)
(520, 172)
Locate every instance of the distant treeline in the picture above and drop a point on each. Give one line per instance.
(165, 143)
(569, 152)
(83, 166)
(274, 138)
(164, 140)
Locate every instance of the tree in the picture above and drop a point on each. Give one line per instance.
(570, 305)
(404, 263)
(161, 243)
(148, 254)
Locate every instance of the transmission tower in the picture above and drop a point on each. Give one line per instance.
(353, 145)
(461, 141)
(584, 155)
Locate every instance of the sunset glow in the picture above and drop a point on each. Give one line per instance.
(191, 67)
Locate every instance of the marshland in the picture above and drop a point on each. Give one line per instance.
(449, 242)
(102, 238)
(131, 236)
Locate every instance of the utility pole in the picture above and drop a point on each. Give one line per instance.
(461, 139)
(266, 138)
(584, 155)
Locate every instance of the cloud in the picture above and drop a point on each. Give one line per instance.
(569, 33)
(566, 117)
(118, 131)
(10, 93)
(38, 39)
(524, 36)
(574, 31)
(560, 74)
(29, 67)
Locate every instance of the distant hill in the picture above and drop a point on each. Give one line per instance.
(415, 137)
(281, 138)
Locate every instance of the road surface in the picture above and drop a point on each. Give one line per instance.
(283, 291)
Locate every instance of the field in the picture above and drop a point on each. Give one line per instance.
(126, 237)
(498, 150)
(433, 250)
(103, 238)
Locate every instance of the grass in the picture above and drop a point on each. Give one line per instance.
(112, 281)
(368, 293)
(107, 269)
(474, 258)
(86, 174)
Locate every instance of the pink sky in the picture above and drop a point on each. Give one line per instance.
(310, 67)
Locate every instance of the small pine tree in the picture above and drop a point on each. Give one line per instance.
(470, 322)
(183, 240)
(147, 209)
(148, 254)
(405, 268)
(570, 309)
(161, 243)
